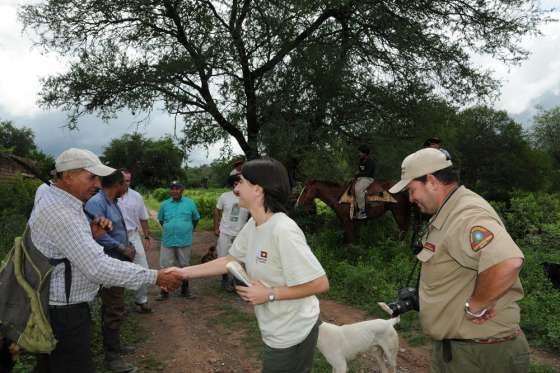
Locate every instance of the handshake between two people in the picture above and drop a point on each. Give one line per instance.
(169, 279)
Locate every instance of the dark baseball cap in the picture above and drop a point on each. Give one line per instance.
(177, 184)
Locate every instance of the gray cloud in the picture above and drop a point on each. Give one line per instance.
(53, 137)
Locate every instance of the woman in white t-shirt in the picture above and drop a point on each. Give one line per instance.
(285, 273)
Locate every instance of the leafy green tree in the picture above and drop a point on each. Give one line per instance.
(546, 137)
(214, 174)
(21, 142)
(220, 64)
(494, 155)
(152, 162)
(546, 132)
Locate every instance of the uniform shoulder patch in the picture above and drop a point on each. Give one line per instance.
(480, 237)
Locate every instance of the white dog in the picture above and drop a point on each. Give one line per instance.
(340, 344)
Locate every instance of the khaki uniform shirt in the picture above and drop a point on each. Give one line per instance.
(463, 239)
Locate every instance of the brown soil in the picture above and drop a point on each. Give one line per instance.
(182, 335)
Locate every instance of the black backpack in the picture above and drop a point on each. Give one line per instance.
(24, 295)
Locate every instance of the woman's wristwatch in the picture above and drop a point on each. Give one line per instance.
(271, 295)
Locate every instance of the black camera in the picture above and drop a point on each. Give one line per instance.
(407, 301)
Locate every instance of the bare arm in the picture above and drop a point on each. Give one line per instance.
(258, 293)
(217, 219)
(212, 268)
(492, 284)
(145, 227)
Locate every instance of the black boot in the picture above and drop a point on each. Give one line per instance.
(185, 291)
(113, 350)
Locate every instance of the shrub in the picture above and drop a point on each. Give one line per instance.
(16, 199)
(531, 213)
(160, 194)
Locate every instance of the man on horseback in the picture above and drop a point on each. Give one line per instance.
(364, 177)
(435, 142)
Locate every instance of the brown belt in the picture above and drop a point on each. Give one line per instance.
(497, 340)
(446, 343)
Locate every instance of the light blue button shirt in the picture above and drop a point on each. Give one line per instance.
(177, 219)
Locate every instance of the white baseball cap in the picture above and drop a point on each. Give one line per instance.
(73, 159)
(423, 162)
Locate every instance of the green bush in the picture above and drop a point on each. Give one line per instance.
(16, 199)
(531, 213)
(160, 194)
(539, 309)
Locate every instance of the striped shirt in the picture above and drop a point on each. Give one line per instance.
(60, 229)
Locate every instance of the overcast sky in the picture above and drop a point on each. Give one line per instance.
(535, 82)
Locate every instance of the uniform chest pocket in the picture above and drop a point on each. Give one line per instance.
(437, 266)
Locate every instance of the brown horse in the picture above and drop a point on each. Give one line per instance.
(330, 192)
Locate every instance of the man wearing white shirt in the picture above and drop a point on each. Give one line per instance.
(136, 220)
(229, 218)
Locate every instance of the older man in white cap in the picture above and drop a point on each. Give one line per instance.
(469, 282)
(60, 229)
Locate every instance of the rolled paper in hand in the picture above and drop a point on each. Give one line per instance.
(238, 272)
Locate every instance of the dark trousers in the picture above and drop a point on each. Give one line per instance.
(113, 311)
(295, 359)
(504, 357)
(72, 329)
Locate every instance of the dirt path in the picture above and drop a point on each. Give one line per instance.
(191, 336)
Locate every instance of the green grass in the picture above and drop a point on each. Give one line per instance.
(541, 368)
(155, 228)
(151, 203)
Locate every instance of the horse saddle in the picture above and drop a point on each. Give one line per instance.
(374, 193)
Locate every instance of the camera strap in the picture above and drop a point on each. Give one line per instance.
(411, 274)
(418, 234)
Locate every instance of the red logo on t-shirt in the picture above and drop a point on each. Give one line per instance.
(262, 256)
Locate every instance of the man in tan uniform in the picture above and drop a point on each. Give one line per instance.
(469, 283)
